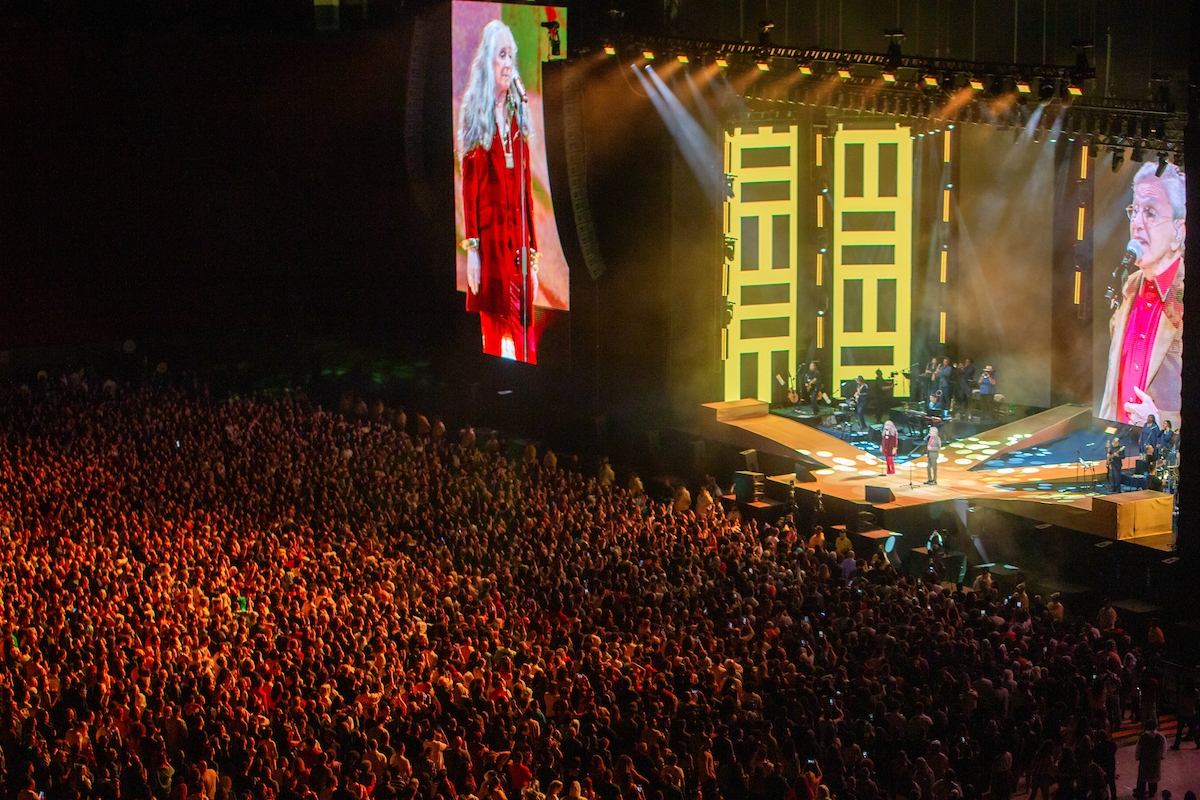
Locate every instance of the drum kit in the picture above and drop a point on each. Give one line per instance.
(1167, 472)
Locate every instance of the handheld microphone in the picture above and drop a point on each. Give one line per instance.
(520, 87)
(1133, 251)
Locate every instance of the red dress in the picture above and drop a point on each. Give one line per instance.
(891, 441)
(492, 214)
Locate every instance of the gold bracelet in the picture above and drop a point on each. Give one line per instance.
(534, 257)
(470, 244)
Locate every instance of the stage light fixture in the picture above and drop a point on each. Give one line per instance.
(729, 178)
(683, 59)
(889, 77)
(976, 84)
(1136, 155)
(844, 72)
(805, 67)
(1118, 158)
(1162, 165)
(648, 55)
(722, 62)
(609, 50)
(764, 32)
(730, 248)
(1074, 90)
(895, 37)
(1023, 87)
(764, 64)
(931, 81)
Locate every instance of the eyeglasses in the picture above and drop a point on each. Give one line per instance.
(1150, 217)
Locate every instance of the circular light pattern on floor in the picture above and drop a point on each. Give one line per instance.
(870, 472)
(824, 454)
(1005, 471)
(976, 446)
(943, 459)
(823, 472)
(804, 452)
(846, 462)
(972, 439)
(963, 452)
(841, 468)
(962, 461)
(1030, 470)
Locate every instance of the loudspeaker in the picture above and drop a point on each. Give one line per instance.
(751, 457)
(748, 486)
(880, 494)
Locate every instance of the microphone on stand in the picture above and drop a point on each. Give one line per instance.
(520, 87)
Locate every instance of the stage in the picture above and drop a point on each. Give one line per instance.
(1062, 495)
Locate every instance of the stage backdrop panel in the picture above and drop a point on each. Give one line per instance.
(1005, 225)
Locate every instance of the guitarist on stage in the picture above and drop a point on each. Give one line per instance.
(1116, 461)
(812, 386)
(861, 393)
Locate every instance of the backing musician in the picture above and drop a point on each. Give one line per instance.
(943, 375)
(1152, 463)
(987, 393)
(1116, 461)
(812, 386)
(929, 382)
(861, 392)
(966, 382)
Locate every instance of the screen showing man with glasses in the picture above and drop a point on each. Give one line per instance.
(1145, 356)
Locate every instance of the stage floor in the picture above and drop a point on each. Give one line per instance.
(1063, 496)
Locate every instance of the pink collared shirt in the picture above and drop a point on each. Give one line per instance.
(1140, 329)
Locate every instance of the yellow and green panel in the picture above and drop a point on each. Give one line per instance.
(872, 253)
(760, 280)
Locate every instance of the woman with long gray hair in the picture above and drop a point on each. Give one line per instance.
(493, 143)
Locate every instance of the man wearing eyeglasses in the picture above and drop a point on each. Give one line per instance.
(1145, 354)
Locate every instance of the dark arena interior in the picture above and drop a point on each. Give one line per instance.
(611, 400)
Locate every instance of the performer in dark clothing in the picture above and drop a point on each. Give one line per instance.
(943, 385)
(812, 385)
(1116, 459)
(861, 394)
(966, 384)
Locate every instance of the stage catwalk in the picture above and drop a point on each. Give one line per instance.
(1058, 494)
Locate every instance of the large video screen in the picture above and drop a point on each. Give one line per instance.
(1140, 233)
(510, 264)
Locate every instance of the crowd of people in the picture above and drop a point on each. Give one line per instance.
(208, 599)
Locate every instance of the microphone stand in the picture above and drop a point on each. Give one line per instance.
(911, 462)
(523, 165)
